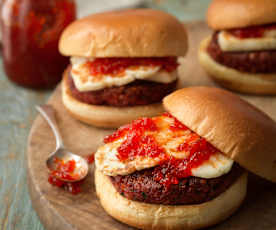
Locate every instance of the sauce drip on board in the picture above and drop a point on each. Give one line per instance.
(252, 32)
(139, 141)
(30, 36)
(115, 66)
(65, 171)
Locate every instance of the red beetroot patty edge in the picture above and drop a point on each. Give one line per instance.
(244, 61)
(141, 186)
(135, 93)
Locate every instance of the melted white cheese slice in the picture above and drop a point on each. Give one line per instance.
(84, 81)
(216, 166)
(106, 156)
(229, 42)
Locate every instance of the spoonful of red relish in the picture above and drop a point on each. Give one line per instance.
(63, 164)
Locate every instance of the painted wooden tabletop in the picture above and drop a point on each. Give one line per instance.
(16, 116)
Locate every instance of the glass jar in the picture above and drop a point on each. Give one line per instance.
(30, 34)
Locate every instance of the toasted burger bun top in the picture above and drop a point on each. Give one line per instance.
(228, 14)
(126, 33)
(238, 129)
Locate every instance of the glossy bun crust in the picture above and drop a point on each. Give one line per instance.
(228, 14)
(235, 127)
(125, 33)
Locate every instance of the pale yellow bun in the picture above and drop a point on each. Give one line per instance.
(235, 127)
(105, 116)
(228, 14)
(159, 217)
(260, 84)
(125, 33)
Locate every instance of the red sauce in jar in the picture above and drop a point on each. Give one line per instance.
(115, 66)
(30, 36)
(170, 169)
(252, 32)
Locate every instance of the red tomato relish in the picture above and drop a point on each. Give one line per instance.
(176, 125)
(252, 31)
(115, 66)
(138, 126)
(136, 143)
(170, 169)
(65, 171)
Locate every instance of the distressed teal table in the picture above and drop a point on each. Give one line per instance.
(16, 116)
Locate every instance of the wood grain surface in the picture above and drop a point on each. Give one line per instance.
(58, 209)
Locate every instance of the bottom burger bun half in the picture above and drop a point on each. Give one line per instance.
(159, 217)
(104, 116)
(264, 84)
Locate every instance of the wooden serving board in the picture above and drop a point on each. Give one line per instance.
(58, 209)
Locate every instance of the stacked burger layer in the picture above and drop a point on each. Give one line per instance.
(122, 65)
(241, 54)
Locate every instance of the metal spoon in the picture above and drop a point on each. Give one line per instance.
(60, 153)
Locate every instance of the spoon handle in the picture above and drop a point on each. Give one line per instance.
(48, 112)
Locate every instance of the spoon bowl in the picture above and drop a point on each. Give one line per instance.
(61, 156)
(81, 167)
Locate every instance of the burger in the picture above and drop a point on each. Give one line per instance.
(122, 65)
(185, 169)
(241, 53)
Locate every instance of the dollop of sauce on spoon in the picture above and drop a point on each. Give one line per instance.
(66, 171)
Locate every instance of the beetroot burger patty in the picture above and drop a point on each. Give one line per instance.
(135, 93)
(250, 62)
(142, 186)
